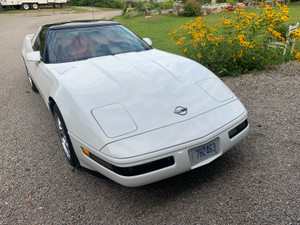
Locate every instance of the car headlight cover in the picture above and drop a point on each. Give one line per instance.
(114, 120)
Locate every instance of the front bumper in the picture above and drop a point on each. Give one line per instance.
(177, 157)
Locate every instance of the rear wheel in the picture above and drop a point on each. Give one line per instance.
(35, 6)
(64, 138)
(25, 6)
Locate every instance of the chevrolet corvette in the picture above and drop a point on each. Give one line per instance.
(122, 108)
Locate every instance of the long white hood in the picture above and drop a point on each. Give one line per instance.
(133, 93)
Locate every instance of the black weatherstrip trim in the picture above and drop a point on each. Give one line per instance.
(136, 170)
(238, 129)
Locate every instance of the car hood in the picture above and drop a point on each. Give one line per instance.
(137, 92)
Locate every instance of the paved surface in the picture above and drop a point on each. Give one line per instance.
(257, 182)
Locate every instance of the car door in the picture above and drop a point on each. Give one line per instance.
(39, 72)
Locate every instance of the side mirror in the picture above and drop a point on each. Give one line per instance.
(148, 41)
(33, 56)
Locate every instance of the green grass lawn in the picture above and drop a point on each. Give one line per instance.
(157, 27)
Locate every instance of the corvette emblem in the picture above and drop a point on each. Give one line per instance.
(180, 110)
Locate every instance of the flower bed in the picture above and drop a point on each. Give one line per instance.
(238, 43)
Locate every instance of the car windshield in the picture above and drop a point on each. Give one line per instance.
(67, 45)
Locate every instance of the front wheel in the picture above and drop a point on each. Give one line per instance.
(32, 84)
(25, 6)
(64, 138)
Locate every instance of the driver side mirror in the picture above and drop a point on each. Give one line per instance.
(33, 56)
(148, 41)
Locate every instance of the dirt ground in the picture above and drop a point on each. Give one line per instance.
(257, 182)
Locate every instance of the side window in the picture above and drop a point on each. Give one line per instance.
(36, 45)
(39, 44)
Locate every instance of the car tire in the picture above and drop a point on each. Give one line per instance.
(25, 6)
(32, 85)
(35, 6)
(64, 138)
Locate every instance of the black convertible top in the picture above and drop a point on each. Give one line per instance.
(79, 24)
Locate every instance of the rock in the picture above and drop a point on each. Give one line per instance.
(166, 11)
(215, 8)
(154, 12)
(203, 12)
(181, 11)
(240, 5)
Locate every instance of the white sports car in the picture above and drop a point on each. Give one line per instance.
(133, 113)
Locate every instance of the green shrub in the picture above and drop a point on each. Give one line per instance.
(167, 4)
(147, 5)
(140, 6)
(192, 8)
(238, 43)
(131, 14)
(231, 2)
(118, 4)
(80, 2)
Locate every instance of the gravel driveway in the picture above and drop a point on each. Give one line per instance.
(257, 182)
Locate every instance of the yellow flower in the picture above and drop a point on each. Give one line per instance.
(199, 55)
(285, 11)
(185, 50)
(297, 32)
(172, 32)
(253, 58)
(227, 22)
(203, 44)
(298, 56)
(237, 27)
(268, 7)
(179, 42)
(234, 59)
(240, 54)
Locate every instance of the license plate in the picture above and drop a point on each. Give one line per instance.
(203, 152)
